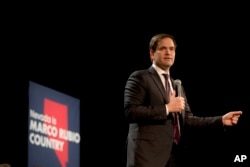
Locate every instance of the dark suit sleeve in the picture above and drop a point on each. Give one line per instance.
(195, 121)
(142, 101)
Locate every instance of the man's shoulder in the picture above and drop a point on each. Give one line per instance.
(140, 72)
(143, 71)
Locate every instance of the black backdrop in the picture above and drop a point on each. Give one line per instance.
(91, 58)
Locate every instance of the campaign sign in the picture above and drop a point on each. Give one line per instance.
(53, 128)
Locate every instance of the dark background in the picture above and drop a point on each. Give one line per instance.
(89, 55)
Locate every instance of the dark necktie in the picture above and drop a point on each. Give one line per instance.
(175, 115)
(168, 90)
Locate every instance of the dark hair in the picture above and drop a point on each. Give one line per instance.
(158, 37)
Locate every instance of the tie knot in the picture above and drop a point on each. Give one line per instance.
(166, 76)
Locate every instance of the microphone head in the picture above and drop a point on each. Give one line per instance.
(177, 82)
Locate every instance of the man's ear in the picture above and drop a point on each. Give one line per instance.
(151, 53)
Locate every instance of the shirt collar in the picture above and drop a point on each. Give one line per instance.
(159, 70)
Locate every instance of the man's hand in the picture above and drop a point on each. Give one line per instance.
(176, 104)
(231, 118)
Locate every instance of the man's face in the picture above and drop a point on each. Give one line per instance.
(164, 54)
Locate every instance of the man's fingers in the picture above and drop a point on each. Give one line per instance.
(237, 112)
(173, 93)
(236, 115)
(235, 121)
(235, 118)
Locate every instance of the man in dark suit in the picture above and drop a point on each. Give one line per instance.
(151, 112)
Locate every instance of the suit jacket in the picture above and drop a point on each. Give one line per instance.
(150, 135)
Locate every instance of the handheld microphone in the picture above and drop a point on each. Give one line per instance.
(177, 83)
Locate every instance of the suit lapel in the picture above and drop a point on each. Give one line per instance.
(158, 83)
